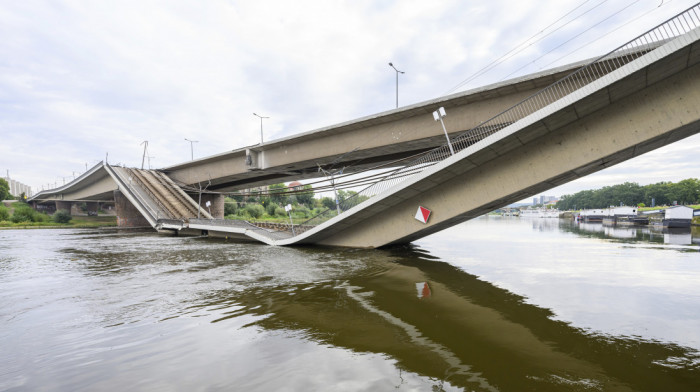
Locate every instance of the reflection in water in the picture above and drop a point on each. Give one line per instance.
(147, 312)
(651, 234)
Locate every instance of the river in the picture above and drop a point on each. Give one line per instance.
(506, 304)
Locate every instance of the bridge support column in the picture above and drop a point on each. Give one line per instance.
(217, 204)
(64, 205)
(127, 214)
(92, 208)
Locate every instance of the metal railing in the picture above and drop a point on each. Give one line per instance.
(242, 224)
(138, 188)
(680, 24)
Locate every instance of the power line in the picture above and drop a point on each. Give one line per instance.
(515, 50)
(569, 40)
(604, 35)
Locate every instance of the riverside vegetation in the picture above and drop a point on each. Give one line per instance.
(22, 215)
(685, 192)
(270, 207)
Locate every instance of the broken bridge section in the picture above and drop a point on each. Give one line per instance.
(156, 196)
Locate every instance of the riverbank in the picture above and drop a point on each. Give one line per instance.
(694, 222)
(77, 222)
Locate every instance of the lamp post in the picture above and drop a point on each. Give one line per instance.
(145, 148)
(397, 82)
(191, 147)
(261, 131)
(438, 115)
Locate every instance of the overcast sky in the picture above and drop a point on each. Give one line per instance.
(80, 79)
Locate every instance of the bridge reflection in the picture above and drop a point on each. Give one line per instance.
(468, 332)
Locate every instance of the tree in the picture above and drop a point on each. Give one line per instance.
(230, 206)
(4, 190)
(349, 199)
(306, 197)
(278, 194)
(663, 193)
(687, 191)
(255, 210)
(328, 202)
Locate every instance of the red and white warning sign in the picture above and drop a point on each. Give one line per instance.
(423, 214)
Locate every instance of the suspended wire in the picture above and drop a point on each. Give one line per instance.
(508, 54)
(569, 40)
(343, 184)
(605, 35)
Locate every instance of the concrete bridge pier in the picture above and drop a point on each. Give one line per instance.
(217, 204)
(127, 214)
(64, 205)
(92, 207)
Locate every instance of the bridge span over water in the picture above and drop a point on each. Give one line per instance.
(510, 141)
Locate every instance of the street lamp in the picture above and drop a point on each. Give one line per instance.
(438, 115)
(397, 82)
(261, 132)
(192, 148)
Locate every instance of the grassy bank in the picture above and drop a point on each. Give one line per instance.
(76, 222)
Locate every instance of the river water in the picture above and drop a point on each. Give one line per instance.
(492, 304)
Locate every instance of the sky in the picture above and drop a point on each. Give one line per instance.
(82, 81)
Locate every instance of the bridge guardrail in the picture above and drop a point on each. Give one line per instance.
(268, 233)
(161, 210)
(138, 190)
(674, 27)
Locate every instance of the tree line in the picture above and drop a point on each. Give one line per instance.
(632, 194)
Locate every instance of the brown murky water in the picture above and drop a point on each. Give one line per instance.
(493, 304)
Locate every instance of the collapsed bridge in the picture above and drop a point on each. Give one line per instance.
(506, 142)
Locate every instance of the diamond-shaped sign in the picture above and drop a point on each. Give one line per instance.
(423, 214)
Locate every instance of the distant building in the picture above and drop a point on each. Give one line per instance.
(544, 200)
(295, 186)
(17, 188)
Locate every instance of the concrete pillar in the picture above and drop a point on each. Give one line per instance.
(127, 214)
(92, 208)
(64, 205)
(217, 204)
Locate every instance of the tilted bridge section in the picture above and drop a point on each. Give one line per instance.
(639, 97)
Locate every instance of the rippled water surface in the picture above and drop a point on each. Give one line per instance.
(493, 304)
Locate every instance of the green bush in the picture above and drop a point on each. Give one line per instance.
(4, 213)
(230, 206)
(328, 202)
(301, 212)
(271, 208)
(255, 210)
(279, 211)
(62, 216)
(40, 217)
(23, 213)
